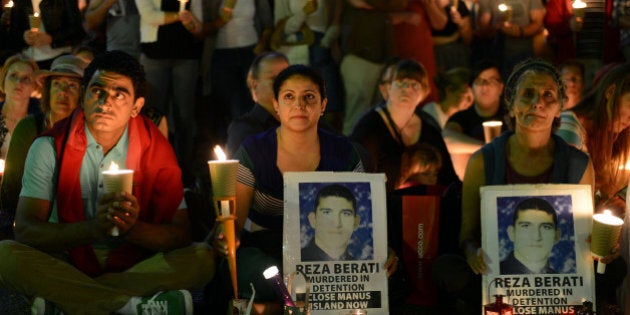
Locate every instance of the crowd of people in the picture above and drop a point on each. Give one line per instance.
(400, 87)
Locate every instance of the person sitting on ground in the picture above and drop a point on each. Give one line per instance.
(529, 153)
(388, 129)
(463, 132)
(297, 145)
(17, 81)
(454, 93)
(262, 116)
(64, 252)
(61, 91)
(420, 165)
(572, 72)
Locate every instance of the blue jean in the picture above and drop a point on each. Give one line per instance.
(173, 82)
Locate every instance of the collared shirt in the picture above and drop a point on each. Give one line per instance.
(40, 182)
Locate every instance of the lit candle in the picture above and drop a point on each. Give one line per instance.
(506, 12)
(604, 236)
(9, 5)
(223, 179)
(273, 275)
(578, 8)
(1, 166)
(182, 5)
(34, 21)
(117, 180)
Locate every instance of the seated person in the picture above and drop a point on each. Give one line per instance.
(420, 165)
(64, 252)
(534, 231)
(334, 219)
(61, 91)
(463, 132)
(529, 153)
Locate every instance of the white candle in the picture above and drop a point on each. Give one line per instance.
(117, 180)
(608, 218)
(225, 208)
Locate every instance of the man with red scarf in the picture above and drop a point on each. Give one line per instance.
(64, 252)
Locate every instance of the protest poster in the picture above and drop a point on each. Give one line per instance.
(534, 242)
(335, 233)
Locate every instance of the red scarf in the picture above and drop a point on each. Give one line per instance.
(156, 184)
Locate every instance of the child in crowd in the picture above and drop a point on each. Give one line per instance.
(420, 165)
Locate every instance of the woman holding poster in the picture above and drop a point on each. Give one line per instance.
(528, 153)
(296, 146)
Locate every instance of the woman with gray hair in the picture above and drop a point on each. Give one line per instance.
(528, 153)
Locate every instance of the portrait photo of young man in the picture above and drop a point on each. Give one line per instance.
(533, 232)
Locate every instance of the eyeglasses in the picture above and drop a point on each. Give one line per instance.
(414, 85)
(484, 82)
(15, 78)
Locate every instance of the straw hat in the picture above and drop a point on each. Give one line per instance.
(66, 65)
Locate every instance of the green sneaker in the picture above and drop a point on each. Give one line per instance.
(176, 302)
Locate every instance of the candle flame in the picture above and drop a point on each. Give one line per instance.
(113, 166)
(579, 4)
(36, 14)
(1, 166)
(219, 153)
(503, 7)
(9, 5)
(607, 212)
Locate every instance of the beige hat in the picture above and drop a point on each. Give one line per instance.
(66, 65)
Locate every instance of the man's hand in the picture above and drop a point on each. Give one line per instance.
(118, 209)
(36, 38)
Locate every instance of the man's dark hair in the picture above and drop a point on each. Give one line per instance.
(336, 190)
(254, 68)
(122, 63)
(535, 204)
(299, 71)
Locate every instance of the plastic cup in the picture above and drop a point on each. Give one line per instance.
(491, 129)
(604, 236)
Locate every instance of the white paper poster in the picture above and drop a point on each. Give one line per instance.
(335, 232)
(534, 240)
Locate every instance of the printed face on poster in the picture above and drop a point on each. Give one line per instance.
(534, 239)
(335, 234)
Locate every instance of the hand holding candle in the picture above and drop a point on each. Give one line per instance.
(506, 12)
(223, 178)
(604, 237)
(117, 180)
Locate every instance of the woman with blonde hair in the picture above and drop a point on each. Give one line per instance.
(17, 82)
